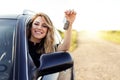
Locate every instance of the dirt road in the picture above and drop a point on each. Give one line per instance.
(96, 59)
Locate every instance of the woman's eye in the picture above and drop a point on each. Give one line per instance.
(36, 24)
(45, 26)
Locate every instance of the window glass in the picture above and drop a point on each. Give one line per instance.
(7, 28)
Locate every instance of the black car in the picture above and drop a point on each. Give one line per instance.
(15, 61)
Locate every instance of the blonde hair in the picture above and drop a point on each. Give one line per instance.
(48, 40)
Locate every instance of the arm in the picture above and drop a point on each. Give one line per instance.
(70, 16)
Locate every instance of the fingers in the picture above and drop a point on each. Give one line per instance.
(69, 12)
(70, 15)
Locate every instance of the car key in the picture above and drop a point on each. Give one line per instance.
(66, 25)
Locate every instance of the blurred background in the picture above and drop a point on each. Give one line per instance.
(91, 14)
(95, 45)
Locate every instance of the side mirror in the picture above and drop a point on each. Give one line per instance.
(55, 62)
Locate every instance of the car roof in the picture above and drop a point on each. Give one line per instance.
(9, 16)
(15, 16)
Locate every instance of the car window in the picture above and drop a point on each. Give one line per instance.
(58, 37)
(6, 41)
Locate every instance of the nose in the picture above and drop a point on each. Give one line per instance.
(39, 27)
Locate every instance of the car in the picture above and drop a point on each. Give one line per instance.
(15, 61)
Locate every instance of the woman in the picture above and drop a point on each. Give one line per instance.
(41, 35)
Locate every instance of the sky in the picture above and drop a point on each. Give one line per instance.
(91, 14)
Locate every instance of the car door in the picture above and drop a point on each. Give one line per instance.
(7, 28)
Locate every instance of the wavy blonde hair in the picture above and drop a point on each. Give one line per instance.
(47, 43)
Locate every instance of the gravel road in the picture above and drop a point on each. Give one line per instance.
(96, 59)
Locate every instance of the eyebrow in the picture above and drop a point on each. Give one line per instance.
(44, 24)
(37, 22)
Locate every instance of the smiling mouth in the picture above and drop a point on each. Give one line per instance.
(38, 32)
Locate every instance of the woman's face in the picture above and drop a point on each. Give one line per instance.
(39, 29)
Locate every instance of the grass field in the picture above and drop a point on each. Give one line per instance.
(73, 41)
(113, 36)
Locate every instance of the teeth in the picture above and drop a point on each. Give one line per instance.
(38, 32)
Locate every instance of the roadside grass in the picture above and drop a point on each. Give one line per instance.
(73, 40)
(113, 36)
